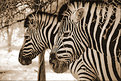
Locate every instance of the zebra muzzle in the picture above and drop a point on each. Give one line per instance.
(56, 65)
(23, 60)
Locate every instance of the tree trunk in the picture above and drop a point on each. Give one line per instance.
(9, 35)
(41, 72)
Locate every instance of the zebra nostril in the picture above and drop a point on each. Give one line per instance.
(23, 62)
(52, 56)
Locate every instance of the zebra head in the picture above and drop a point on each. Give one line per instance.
(31, 46)
(41, 33)
(66, 46)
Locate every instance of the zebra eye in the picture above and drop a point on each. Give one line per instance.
(26, 37)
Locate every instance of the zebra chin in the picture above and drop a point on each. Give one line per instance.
(59, 67)
(23, 60)
(56, 65)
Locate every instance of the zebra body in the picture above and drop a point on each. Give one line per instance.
(99, 29)
(41, 33)
(91, 64)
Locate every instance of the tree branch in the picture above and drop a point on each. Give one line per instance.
(20, 20)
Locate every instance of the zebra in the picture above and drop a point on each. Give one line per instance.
(41, 33)
(98, 28)
(76, 66)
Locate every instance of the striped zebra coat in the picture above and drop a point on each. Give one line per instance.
(98, 28)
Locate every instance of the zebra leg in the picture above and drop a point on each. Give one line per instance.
(41, 73)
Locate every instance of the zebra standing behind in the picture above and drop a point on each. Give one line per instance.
(41, 33)
(99, 30)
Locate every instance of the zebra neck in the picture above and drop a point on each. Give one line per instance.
(81, 37)
(49, 31)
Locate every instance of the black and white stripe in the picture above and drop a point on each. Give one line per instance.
(98, 29)
(90, 66)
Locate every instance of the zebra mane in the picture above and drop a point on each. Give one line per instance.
(30, 18)
(65, 7)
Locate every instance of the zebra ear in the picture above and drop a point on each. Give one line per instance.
(77, 15)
